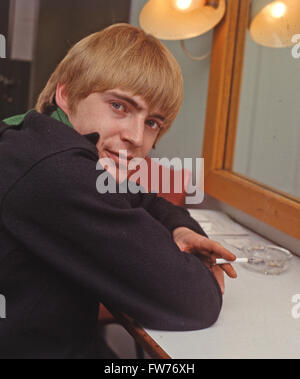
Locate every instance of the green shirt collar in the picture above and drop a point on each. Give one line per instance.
(58, 115)
(61, 116)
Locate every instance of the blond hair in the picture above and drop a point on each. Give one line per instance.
(120, 56)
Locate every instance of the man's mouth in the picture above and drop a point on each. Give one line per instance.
(120, 159)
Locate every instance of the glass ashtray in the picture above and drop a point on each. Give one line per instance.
(268, 259)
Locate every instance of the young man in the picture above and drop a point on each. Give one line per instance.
(64, 246)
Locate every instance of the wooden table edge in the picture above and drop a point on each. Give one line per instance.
(141, 336)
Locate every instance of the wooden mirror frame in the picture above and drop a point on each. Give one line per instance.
(267, 204)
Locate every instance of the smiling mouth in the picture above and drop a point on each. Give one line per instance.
(119, 159)
(122, 157)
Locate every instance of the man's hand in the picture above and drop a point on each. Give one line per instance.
(207, 250)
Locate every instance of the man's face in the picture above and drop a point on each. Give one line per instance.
(123, 121)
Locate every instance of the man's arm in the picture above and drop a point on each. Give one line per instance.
(121, 254)
(188, 234)
(170, 215)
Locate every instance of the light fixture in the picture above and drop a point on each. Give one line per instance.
(274, 23)
(181, 19)
(187, 5)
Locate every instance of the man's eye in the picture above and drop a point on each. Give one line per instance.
(118, 106)
(153, 124)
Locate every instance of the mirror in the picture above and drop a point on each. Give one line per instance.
(251, 140)
(267, 147)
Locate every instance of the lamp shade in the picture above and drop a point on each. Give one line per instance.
(273, 23)
(175, 20)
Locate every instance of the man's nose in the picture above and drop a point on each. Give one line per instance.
(134, 132)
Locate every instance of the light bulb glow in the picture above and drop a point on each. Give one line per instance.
(183, 4)
(186, 6)
(278, 9)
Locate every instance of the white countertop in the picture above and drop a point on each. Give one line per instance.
(256, 320)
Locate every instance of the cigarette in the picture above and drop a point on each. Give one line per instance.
(220, 261)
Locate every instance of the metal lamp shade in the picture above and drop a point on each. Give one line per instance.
(270, 31)
(161, 19)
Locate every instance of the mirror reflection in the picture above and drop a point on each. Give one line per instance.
(268, 132)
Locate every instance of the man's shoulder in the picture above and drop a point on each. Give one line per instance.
(16, 120)
(37, 140)
(46, 134)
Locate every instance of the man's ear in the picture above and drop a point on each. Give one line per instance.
(61, 98)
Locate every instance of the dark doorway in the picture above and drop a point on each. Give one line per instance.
(59, 24)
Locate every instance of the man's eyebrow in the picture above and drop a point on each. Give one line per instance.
(134, 104)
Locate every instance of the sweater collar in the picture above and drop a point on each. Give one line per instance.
(59, 115)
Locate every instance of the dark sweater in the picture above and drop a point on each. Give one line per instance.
(64, 248)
